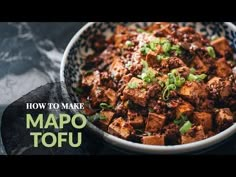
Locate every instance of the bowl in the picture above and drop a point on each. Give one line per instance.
(80, 47)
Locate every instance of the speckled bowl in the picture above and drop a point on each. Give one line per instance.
(80, 47)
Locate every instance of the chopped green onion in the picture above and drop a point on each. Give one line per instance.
(211, 51)
(177, 49)
(176, 79)
(192, 70)
(171, 87)
(143, 90)
(181, 120)
(145, 64)
(139, 30)
(147, 75)
(198, 78)
(144, 49)
(139, 131)
(89, 72)
(214, 37)
(151, 110)
(132, 85)
(187, 125)
(157, 40)
(129, 43)
(173, 81)
(162, 56)
(192, 77)
(202, 76)
(105, 106)
(166, 47)
(153, 46)
(96, 117)
(163, 41)
(93, 118)
(174, 71)
(128, 64)
(161, 83)
(167, 90)
(102, 117)
(179, 82)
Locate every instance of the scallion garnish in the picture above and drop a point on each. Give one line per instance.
(167, 90)
(187, 125)
(139, 30)
(88, 72)
(211, 51)
(132, 85)
(96, 117)
(214, 37)
(147, 75)
(177, 49)
(198, 78)
(181, 120)
(162, 56)
(145, 49)
(129, 43)
(152, 46)
(166, 47)
(102, 117)
(192, 70)
(105, 106)
(150, 109)
(173, 82)
(128, 64)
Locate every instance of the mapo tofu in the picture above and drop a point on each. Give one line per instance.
(160, 85)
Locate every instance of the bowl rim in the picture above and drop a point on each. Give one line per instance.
(138, 147)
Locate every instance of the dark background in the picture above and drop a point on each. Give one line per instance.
(30, 56)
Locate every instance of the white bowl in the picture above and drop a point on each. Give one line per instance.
(79, 47)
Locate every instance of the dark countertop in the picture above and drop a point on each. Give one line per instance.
(30, 56)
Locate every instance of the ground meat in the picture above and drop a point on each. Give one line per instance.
(172, 134)
(175, 62)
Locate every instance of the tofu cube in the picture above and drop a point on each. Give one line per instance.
(117, 68)
(138, 95)
(103, 124)
(224, 119)
(219, 88)
(151, 57)
(221, 45)
(157, 26)
(155, 122)
(135, 119)
(204, 119)
(193, 91)
(222, 68)
(184, 109)
(200, 67)
(88, 110)
(154, 140)
(186, 29)
(120, 128)
(111, 95)
(194, 134)
(91, 79)
(120, 35)
(97, 95)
